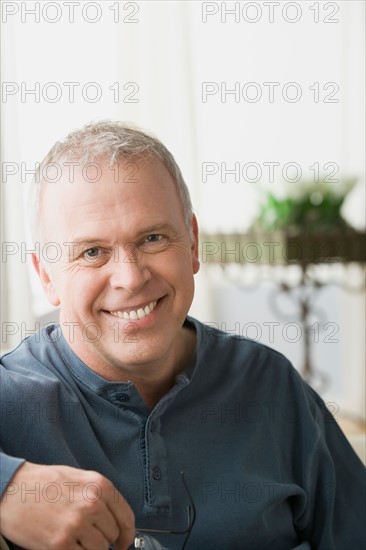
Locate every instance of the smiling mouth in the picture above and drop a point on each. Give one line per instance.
(134, 314)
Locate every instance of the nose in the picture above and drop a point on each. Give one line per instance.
(129, 271)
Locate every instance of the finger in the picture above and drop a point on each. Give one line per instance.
(124, 517)
(107, 525)
(93, 539)
(74, 546)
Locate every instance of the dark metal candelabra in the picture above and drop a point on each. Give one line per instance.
(304, 249)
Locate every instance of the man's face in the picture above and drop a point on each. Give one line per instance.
(125, 280)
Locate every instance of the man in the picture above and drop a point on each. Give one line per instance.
(143, 418)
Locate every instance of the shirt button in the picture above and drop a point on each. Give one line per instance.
(156, 473)
(123, 397)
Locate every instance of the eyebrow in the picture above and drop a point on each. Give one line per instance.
(86, 242)
(74, 247)
(97, 240)
(155, 228)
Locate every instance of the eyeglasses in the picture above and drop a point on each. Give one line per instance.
(149, 543)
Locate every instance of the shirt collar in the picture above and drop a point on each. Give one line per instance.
(100, 385)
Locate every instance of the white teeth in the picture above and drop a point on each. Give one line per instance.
(138, 314)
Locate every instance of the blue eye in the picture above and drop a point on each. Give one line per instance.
(155, 237)
(95, 256)
(153, 243)
(91, 253)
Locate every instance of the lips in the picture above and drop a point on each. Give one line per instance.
(133, 314)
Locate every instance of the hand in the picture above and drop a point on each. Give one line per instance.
(59, 508)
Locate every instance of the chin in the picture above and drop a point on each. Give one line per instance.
(133, 357)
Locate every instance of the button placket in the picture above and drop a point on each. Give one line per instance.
(157, 470)
(123, 397)
(156, 473)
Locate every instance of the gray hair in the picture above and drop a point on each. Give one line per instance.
(112, 142)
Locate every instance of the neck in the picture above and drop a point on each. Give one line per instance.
(152, 380)
(153, 389)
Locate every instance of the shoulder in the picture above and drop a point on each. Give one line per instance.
(237, 351)
(35, 361)
(249, 370)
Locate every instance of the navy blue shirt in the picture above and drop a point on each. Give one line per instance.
(264, 460)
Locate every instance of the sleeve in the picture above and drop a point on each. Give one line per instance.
(8, 467)
(8, 464)
(334, 478)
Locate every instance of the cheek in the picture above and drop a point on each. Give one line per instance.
(80, 286)
(175, 269)
(181, 277)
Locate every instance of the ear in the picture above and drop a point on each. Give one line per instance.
(194, 248)
(46, 281)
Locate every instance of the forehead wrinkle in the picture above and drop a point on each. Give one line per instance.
(86, 212)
